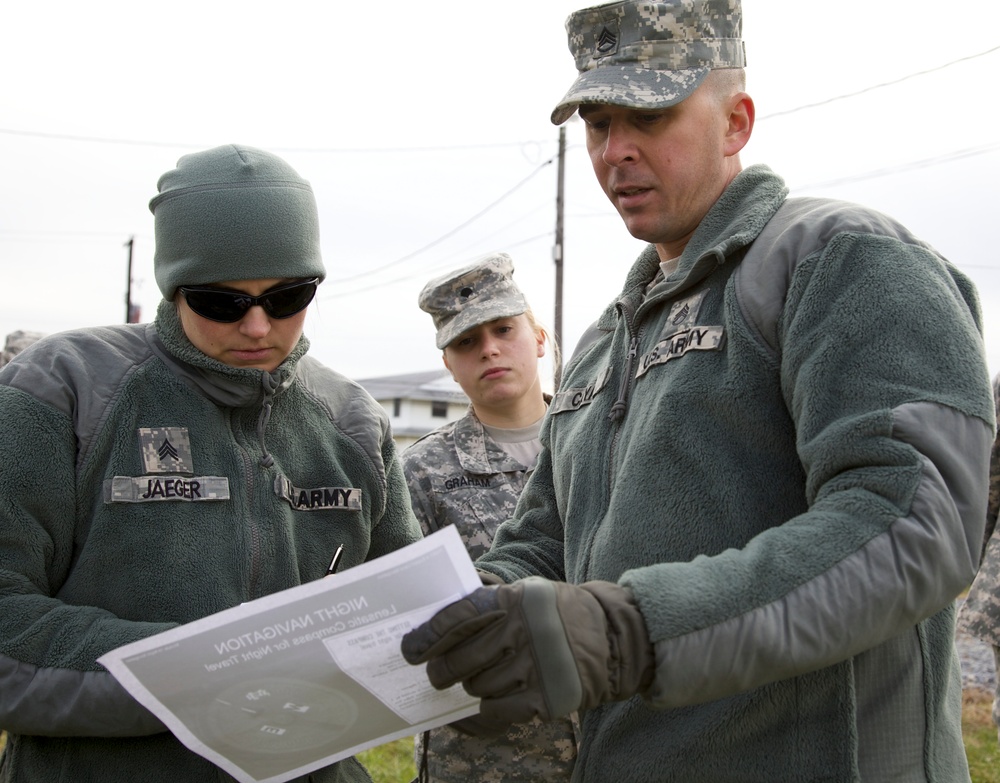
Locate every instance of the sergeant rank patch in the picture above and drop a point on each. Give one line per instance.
(166, 450)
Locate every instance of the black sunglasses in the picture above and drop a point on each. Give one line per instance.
(218, 304)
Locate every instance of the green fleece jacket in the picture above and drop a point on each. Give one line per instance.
(145, 485)
(782, 451)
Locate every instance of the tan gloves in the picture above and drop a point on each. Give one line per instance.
(536, 648)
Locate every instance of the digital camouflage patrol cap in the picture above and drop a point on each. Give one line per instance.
(649, 55)
(476, 294)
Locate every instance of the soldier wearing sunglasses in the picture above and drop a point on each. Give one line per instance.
(155, 474)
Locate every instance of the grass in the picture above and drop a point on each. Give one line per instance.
(393, 762)
(980, 735)
(390, 763)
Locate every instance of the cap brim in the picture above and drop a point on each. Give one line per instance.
(473, 317)
(629, 86)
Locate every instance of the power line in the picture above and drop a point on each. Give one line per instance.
(902, 167)
(423, 273)
(450, 233)
(29, 235)
(26, 235)
(95, 139)
(34, 237)
(481, 240)
(879, 86)
(927, 162)
(454, 147)
(303, 150)
(32, 231)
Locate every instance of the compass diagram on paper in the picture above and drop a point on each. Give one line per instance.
(277, 715)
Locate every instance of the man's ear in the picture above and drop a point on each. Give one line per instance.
(741, 119)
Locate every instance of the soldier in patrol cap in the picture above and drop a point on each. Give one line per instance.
(980, 613)
(470, 472)
(762, 482)
(154, 474)
(480, 292)
(17, 342)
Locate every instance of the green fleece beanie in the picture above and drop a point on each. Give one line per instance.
(233, 213)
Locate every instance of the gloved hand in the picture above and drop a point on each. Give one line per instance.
(489, 579)
(536, 648)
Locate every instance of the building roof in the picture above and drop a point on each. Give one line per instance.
(429, 385)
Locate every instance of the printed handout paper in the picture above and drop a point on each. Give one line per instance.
(284, 685)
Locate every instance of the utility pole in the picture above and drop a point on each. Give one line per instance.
(557, 251)
(131, 316)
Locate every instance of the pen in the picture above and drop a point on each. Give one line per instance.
(336, 560)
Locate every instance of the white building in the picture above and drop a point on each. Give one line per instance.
(418, 402)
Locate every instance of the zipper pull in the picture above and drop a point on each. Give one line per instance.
(618, 409)
(265, 416)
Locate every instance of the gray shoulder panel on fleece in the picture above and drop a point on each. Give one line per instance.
(79, 372)
(902, 576)
(801, 227)
(68, 703)
(350, 407)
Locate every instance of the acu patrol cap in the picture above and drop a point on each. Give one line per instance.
(644, 55)
(475, 294)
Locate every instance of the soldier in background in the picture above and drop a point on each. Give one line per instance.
(470, 473)
(980, 614)
(17, 342)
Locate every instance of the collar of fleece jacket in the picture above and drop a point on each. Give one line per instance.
(735, 220)
(221, 383)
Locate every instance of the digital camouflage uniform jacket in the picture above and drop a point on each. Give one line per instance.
(145, 485)
(782, 452)
(980, 614)
(458, 475)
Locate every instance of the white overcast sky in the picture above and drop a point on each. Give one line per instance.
(424, 130)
